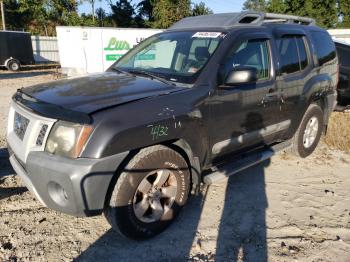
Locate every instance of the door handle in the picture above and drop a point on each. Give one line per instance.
(271, 96)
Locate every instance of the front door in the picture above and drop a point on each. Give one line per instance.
(245, 115)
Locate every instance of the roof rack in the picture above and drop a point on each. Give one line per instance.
(291, 19)
(229, 20)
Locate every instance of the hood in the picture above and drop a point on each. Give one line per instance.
(91, 93)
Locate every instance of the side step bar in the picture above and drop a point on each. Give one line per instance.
(243, 163)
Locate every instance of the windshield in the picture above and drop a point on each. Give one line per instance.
(173, 56)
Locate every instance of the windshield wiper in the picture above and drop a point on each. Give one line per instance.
(150, 75)
(118, 70)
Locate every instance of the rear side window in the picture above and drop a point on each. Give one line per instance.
(324, 45)
(293, 55)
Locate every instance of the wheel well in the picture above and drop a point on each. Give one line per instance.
(322, 102)
(117, 173)
(181, 147)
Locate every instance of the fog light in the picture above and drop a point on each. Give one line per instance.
(58, 194)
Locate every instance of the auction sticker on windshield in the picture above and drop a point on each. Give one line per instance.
(207, 34)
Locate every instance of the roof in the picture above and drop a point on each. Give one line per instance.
(230, 20)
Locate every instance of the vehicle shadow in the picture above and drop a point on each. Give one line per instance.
(6, 170)
(241, 234)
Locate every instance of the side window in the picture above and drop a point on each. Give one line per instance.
(288, 50)
(253, 53)
(324, 45)
(293, 55)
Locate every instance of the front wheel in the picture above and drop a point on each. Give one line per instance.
(309, 132)
(149, 194)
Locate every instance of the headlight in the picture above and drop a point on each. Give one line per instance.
(67, 139)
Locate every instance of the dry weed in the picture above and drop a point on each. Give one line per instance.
(338, 134)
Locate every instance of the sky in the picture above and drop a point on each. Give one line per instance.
(218, 6)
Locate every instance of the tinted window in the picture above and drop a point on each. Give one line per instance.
(288, 50)
(302, 52)
(252, 53)
(324, 45)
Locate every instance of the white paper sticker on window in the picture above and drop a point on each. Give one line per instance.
(207, 34)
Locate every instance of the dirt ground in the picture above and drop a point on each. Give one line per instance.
(285, 209)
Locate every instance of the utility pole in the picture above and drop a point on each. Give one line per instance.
(3, 15)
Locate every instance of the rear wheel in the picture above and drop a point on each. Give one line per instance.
(150, 193)
(309, 132)
(13, 65)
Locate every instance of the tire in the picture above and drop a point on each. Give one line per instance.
(302, 144)
(134, 207)
(13, 65)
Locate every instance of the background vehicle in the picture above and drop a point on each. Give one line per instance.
(15, 50)
(220, 92)
(343, 50)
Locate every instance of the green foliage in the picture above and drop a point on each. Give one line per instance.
(276, 6)
(40, 16)
(201, 9)
(325, 12)
(167, 12)
(123, 13)
(344, 12)
(255, 5)
(145, 10)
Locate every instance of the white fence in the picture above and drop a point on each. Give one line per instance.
(342, 35)
(45, 49)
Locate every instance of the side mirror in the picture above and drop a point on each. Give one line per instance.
(242, 75)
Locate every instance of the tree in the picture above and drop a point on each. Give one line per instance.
(344, 13)
(122, 13)
(92, 3)
(145, 10)
(276, 6)
(201, 9)
(101, 16)
(255, 5)
(323, 11)
(64, 12)
(14, 20)
(167, 12)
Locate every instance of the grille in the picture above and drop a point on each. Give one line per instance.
(41, 136)
(20, 125)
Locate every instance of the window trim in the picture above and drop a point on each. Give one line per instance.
(303, 38)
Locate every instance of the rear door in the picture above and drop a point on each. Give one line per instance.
(245, 115)
(294, 72)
